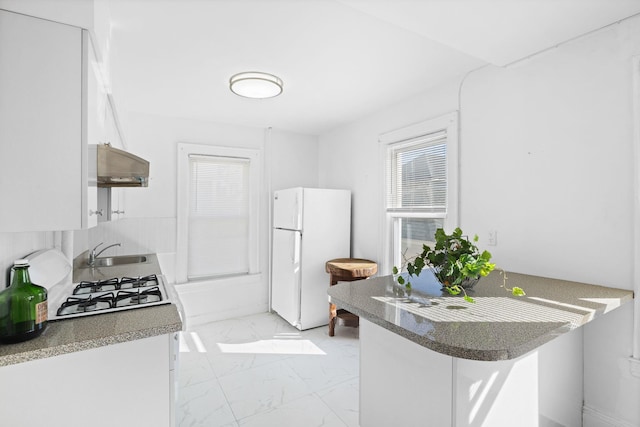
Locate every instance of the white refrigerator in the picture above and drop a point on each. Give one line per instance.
(310, 227)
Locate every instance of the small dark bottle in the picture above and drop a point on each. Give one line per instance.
(23, 307)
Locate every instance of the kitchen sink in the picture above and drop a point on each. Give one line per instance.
(118, 260)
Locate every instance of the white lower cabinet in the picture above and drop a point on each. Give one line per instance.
(402, 383)
(126, 384)
(405, 384)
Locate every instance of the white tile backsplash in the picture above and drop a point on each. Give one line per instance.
(136, 235)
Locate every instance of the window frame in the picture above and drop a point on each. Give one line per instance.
(390, 225)
(185, 151)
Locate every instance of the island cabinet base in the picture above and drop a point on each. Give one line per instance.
(405, 384)
(125, 384)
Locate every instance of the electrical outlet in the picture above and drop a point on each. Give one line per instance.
(493, 238)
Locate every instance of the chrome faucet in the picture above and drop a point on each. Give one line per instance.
(93, 255)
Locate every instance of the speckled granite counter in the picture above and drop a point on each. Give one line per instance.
(82, 333)
(498, 326)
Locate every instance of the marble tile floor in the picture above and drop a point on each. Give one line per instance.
(259, 371)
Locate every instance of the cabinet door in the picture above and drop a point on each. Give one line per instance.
(40, 122)
(43, 157)
(92, 126)
(104, 204)
(110, 204)
(82, 383)
(117, 203)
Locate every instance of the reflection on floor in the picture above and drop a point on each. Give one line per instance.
(261, 371)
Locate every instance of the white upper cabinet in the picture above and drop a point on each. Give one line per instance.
(48, 121)
(117, 210)
(111, 204)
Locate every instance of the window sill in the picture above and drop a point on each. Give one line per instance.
(240, 280)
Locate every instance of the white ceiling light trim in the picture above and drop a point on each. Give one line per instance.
(255, 84)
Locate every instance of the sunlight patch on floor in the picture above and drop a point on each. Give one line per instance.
(193, 344)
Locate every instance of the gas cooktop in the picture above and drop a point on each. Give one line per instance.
(106, 296)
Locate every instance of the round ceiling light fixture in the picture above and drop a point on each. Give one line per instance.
(254, 84)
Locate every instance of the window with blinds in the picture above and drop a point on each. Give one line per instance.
(418, 175)
(420, 185)
(219, 195)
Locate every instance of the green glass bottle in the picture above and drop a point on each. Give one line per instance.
(23, 307)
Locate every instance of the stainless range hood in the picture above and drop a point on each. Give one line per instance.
(118, 168)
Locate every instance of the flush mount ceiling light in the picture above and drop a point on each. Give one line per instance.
(254, 84)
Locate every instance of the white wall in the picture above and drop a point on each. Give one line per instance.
(546, 160)
(150, 225)
(552, 139)
(349, 158)
(293, 160)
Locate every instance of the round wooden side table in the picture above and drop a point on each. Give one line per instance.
(346, 270)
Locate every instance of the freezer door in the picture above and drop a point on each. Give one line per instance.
(285, 279)
(287, 209)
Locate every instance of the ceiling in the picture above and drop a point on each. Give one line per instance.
(340, 59)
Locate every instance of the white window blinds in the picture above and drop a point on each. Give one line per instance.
(220, 186)
(417, 174)
(219, 195)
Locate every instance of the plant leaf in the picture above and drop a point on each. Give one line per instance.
(400, 280)
(454, 290)
(467, 298)
(410, 269)
(519, 292)
(395, 270)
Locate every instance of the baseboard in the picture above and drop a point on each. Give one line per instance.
(592, 417)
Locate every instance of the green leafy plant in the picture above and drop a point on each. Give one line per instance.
(456, 262)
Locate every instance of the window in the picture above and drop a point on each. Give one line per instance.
(420, 185)
(217, 211)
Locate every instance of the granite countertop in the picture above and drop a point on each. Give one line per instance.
(498, 326)
(83, 333)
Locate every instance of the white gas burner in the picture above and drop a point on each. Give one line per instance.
(106, 296)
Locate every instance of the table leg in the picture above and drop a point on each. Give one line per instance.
(332, 319)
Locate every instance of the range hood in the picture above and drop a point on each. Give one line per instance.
(118, 168)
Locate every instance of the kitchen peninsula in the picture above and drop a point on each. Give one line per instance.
(428, 358)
